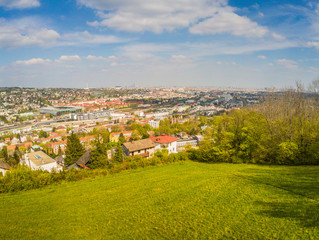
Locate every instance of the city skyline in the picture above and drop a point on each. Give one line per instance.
(104, 43)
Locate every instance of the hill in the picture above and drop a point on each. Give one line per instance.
(186, 200)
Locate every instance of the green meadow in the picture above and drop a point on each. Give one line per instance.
(186, 200)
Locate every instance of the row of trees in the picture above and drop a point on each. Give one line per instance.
(282, 130)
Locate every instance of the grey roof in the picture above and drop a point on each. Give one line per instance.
(139, 145)
(85, 158)
(4, 165)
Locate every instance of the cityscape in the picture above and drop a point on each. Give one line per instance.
(159, 119)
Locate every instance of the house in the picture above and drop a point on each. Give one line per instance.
(4, 167)
(36, 148)
(144, 148)
(154, 124)
(83, 161)
(60, 160)
(56, 145)
(40, 161)
(87, 140)
(15, 141)
(182, 143)
(165, 142)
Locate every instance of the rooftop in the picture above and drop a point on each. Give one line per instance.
(40, 158)
(4, 165)
(163, 139)
(139, 145)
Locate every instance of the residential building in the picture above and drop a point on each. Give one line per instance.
(154, 124)
(165, 142)
(181, 143)
(56, 145)
(4, 167)
(39, 160)
(82, 162)
(144, 148)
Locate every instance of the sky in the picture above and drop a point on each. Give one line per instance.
(158, 43)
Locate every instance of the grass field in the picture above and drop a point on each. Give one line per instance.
(186, 200)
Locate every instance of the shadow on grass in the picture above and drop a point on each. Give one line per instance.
(305, 212)
(303, 181)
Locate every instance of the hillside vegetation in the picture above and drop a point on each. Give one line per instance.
(184, 200)
(283, 130)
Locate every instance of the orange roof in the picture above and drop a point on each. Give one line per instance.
(163, 139)
(11, 147)
(119, 133)
(88, 137)
(58, 143)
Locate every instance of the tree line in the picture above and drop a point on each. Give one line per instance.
(283, 129)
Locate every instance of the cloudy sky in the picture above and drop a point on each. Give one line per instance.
(213, 43)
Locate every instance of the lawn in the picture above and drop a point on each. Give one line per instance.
(185, 200)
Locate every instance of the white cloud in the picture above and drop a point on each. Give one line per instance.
(13, 36)
(180, 59)
(74, 58)
(262, 57)
(19, 4)
(33, 61)
(287, 63)
(146, 50)
(96, 58)
(30, 31)
(100, 58)
(202, 16)
(313, 44)
(229, 22)
(195, 50)
(277, 36)
(79, 38)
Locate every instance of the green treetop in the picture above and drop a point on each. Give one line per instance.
(74, 150)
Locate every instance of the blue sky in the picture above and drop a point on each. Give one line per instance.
(199, 43)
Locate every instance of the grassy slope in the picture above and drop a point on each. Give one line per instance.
(177, 201)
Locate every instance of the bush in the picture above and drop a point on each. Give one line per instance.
(21, 178)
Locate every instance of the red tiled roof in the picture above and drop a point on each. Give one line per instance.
(163, 139)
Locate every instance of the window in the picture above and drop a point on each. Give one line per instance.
(37, 156)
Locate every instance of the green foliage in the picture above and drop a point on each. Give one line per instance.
(122, 138)
(141, 129)
(74, 150)
(118, 157)
(16, 156)
(99, 156)
(246, 136)
(191, 127)
(4, 153)
(43, 134)
(21, 178)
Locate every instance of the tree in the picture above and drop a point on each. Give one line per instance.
(4, 153)
(16, 156)
(118, 157)
(122, 138)
(43, 134)
(74, 149)
(60, 153)
(134, 136)
(98, 155)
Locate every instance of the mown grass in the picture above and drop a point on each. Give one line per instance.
(187, 200)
